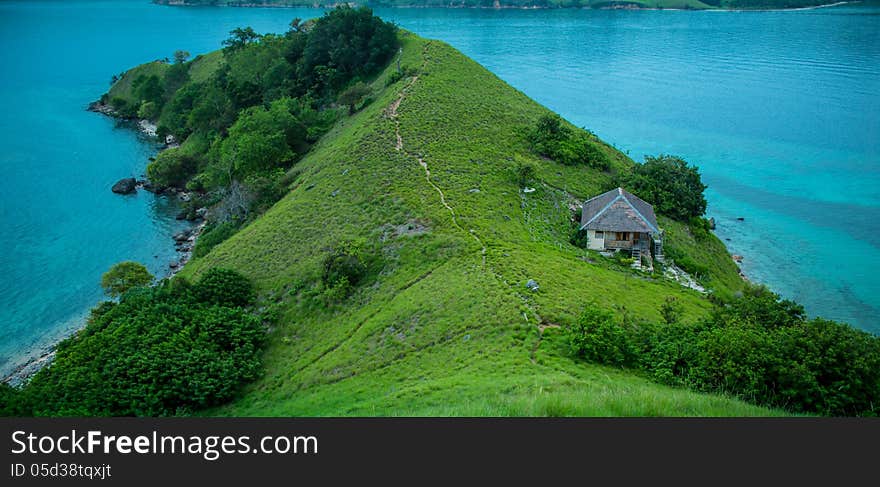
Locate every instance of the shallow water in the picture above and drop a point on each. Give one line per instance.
(779, 109)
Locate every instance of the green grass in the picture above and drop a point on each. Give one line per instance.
(122, 88)
(444, 328)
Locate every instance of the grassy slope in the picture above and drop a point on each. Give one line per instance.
(439, 331)
(122, 88)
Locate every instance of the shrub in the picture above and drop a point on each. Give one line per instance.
(124, 276)
(342, 269)
(597, 338)
(172, 167)
(160, 351)
(525, 172)
(673, 187)
(758, 347)
(552, 138)
(224, 287)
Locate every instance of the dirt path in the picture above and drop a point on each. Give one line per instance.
(391, 112)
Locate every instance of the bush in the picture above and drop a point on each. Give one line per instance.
(597, 338)
(167, 350)
(758, 347)
(552, 138)
(342, 269)
(224, 287)
(172, 167)
(674, 188)
(525, 172)
(124, 276)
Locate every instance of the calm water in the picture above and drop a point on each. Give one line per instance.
(779, 109)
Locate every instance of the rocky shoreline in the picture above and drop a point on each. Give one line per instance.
(184, 241)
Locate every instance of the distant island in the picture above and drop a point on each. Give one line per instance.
(598, 4)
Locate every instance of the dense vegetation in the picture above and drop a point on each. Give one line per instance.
(253, 109)
(757, 346)
(171, 349)
(671, 185)
(552, 138)
(685, 4)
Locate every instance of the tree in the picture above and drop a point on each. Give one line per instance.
(239, 38)
(671, 185)
(172, 167)
(124, 276)
(180, 56)
(353, 95)
(148, 89)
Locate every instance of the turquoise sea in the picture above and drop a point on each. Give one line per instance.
(781, 111)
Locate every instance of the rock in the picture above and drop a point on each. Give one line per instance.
(174, 265)
(181, 236)
(737, 258)
(528, 190)
(201, 212)
(532, 285)
(474, 190)
(740, 218)
(181, 216)
(124, 186)
(712, 223)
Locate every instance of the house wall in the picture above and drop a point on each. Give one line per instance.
(594, 242)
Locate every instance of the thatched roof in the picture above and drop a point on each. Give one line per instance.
(619, 211)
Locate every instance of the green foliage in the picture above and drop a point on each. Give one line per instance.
(346, 43)
(758, 347)
(597, 338)
(672, 186)
(552, 138)
(525, 172)
(172, 167)
(161, 351)
(260, 140)
(671, 311)
(124, 276)
(180, 56)
(239, 38)
(342, 270)
(148, 89)
(224, 287)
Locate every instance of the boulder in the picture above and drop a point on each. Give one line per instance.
(737, 258)
(712, 223)
(532, 285)
(124, 186)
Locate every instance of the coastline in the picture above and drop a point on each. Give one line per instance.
(42, 355)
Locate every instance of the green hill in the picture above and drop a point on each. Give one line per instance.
(424, 178)
(392, 230)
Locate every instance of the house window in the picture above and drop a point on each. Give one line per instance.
(622, 236)
(600, 235)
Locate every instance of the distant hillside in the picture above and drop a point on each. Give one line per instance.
(670, 4)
